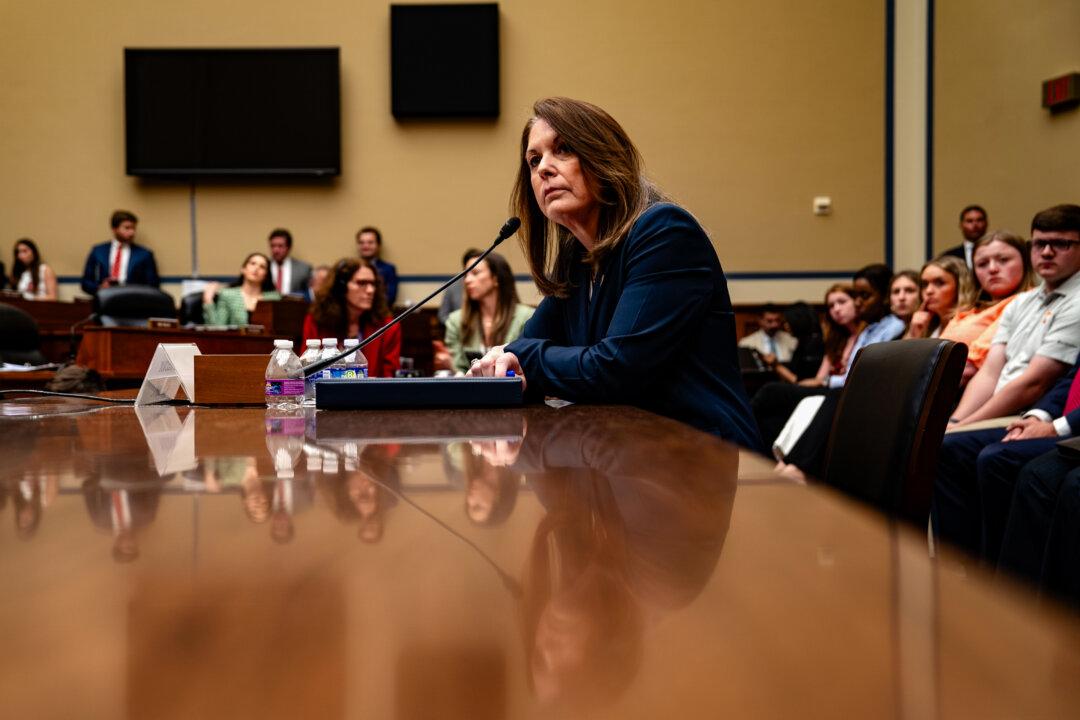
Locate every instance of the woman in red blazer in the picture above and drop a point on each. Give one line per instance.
(351, 303)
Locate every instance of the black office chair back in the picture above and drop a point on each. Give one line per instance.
(890, 422)
(131, 305)
(191, 309)
(20, 341)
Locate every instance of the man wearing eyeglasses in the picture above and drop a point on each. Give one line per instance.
(1038, 339)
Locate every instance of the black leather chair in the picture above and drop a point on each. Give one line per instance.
(20, 341)
(890, 421)
(191, 309)
(131, 305)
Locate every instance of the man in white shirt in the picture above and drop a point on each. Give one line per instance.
(774, 344)
(1037, 340)
(290, 276)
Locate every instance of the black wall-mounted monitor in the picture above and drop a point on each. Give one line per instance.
(243, 111)
(444, 60)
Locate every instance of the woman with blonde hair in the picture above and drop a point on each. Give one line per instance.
(1003, 270)
(946, 284)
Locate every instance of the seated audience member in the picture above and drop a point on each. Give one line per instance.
(973, 224)
(289, 276)
(352, 304)
(904, 295)
(1038, 337)
(490, 314)
(1042, 536)
(232, 305)
(451, 299)
(1002, 269)
(32, 278)
(946, 283)
(774, 402)
(119, 261)
(1039, 332)
(871, 291)
(318, 277)
(368, 247)
(774, 344)
(805, 326)
(977, 471)
(871, 288)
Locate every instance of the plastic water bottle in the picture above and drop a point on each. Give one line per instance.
(311, 354)
(337, 370)
(284, 377)
(355, 363)
(284, 438)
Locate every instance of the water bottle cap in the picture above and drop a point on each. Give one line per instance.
(284, 344)
(351, 342)
(329, 342)
(312, 343)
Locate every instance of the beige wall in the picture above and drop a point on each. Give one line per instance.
(994, 144)
(744, 112)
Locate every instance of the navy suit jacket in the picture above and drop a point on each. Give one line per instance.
(658, 333)
(1053, 402)
(388, 273)
(142, 269)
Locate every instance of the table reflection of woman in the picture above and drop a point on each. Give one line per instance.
(254, 493)
(622, 543)
(491, 486)
(636, 308)
(364, 495)
(234, 304)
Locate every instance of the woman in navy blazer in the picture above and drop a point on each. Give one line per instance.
(636, 308)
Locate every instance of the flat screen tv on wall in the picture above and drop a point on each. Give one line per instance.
(444, 61)
(238, 111)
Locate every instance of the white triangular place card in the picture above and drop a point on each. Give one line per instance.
(171, 372)
(171, 442)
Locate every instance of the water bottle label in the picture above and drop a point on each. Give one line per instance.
(337, 373)
(288, 386)
(285, 425)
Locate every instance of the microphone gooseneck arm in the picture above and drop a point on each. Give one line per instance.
(509, 228)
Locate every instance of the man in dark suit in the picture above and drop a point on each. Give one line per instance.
(1042, 536)
(973, 223)
(290, 276)
(368, 246)
(119, 261)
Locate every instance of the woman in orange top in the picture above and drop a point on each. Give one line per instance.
(1003, 268)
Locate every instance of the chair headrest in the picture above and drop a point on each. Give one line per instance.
(132, 302)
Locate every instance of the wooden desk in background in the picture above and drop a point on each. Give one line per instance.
(54, 318)
(123, 353)
(282, 318)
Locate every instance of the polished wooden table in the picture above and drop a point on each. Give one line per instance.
(581, 562)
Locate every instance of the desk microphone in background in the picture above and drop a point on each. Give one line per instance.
(74, 345)
(509, 228)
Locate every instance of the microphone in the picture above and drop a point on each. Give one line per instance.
(73, 346)
(509, 228)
